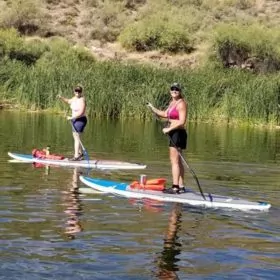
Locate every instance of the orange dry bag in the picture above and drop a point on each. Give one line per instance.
(44, 155)
(152, 184)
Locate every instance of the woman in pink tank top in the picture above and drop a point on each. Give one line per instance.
(176, 114)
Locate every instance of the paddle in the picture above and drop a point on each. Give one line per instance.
(184, 161)
(188, 166)
(83, 147)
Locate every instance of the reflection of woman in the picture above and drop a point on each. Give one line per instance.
(78, 119)
(167, 264)
(73, 209)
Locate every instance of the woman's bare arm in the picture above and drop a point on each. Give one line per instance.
(65, 100)
(160, 113)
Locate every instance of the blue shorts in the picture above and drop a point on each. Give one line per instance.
(178, 138)
(79, 124)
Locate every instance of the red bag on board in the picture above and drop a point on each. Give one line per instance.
(152, 184)
(43, 155)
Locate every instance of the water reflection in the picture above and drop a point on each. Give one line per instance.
(39, 211)
(167, 263)
(73, 206)
(151, 205)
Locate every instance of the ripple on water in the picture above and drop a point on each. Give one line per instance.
(49, 230)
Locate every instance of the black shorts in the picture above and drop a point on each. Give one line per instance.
(178, 139)
(79, 124)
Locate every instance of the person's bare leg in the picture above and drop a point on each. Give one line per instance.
(76, 137)
(175, 165)
(80, 146)
(182, 173)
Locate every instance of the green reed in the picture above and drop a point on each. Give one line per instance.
(118, 90)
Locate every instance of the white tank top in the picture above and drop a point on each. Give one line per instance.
(75, 106)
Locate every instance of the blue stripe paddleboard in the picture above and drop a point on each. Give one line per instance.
(102, 164)
(189, 197)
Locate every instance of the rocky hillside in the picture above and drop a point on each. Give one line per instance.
(97, 24)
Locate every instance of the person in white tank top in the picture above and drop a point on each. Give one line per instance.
(79, 120)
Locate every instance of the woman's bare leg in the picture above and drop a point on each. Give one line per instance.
(182, 173)
(76, 137)
(175, 165)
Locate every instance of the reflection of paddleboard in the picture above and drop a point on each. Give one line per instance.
(189, 197)
(87, 190)
(103, 164)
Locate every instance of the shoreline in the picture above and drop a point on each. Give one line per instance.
(213, 121)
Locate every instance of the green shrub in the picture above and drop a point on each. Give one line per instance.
(259, 39)
(108, 21)
(16, 48)
(30, 52)
(224, 4)
(9, 40)
(155, 33)
(237, 43)
(25, 16)
(61, 52)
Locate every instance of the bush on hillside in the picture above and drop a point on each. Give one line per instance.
(133, 4)
(223, 5)
(30, 52)
(155, 33)
(107, 22)
(253, 47)
(25, 16)
(9, 40)
(62, 54)
(16, 48)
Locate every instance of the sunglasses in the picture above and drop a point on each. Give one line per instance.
(175, 89)
(78, 91)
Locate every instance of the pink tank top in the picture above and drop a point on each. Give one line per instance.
(173, 113)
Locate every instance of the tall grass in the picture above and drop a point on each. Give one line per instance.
(116, 90)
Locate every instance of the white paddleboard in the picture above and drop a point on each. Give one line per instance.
(189, 197)
(101, 164)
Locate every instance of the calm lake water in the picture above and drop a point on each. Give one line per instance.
(53, 228)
